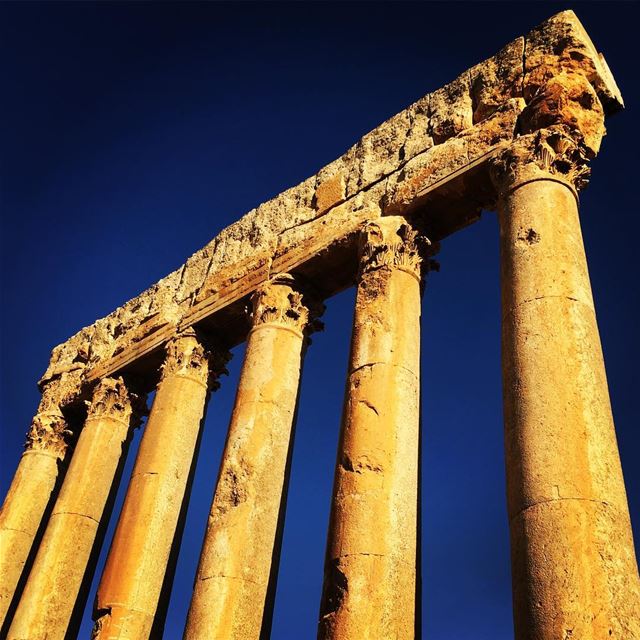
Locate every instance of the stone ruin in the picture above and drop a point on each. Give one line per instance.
(514, 133)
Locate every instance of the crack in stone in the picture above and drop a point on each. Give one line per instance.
(389, 364)
(362, 366)
(26, 533)
(528, 300)
(366, 403)
(73, 513)
(205, 578)
(559, 499)
(273, 403)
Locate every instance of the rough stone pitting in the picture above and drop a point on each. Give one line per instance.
(370, 565)
(573, 561)
(31, 493)
(548, 151)
(561, 43)
(131, 585)
(497, 79)
(234, 577)
(330, 192)
(73, 526)
(451, 109)
(518, 131)
(552, 76)
(566, 99)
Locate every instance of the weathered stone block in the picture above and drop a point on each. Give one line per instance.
(561, 42)
(451, 109)
(330, 192)
(551, 77)
(497, 79)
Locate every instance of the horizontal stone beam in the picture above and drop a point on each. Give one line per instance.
(428, 162)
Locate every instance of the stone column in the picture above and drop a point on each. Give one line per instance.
(370, 569)
(573, 565)
(31, 492)
(61, 564)
(129, 592)
(235, 583)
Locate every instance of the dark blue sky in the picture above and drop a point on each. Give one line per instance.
(133, 133)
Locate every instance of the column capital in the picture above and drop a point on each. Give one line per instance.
(48, 433)
(392, 243)
(284, 300)
(49, 430)
(112, 399)
(189, 355)
(554, 153)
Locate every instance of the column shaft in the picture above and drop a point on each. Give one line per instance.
(233, 592)
(30, 495)
(53, 587)
(370, 570)
(130, 588)
(574, 569)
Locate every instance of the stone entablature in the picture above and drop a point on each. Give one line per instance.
(553, 77)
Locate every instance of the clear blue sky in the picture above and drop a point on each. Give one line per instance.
(133, 133)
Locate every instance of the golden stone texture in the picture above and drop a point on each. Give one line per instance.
(31, 492)
(516, 129)
(573, 563)
(235, 583)
(553, 75)
(129, 592)
(370, 569)
(53, 587)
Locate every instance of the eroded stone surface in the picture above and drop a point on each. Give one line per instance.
(233, 593)
(553, 76)
(574, 567)
(54, 583)
(33, 488)
(369, 587)
(129, 591)
(534, 114)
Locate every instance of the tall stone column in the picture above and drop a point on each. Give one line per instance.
(132, 581)
(370, 569)
(61, 565)
(235, 583)
(31, 492)
(574, 570)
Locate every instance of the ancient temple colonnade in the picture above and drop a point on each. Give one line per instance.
(514, 134)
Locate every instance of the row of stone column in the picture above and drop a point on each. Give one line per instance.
(247, 505)
(235, 582)
(574, 569)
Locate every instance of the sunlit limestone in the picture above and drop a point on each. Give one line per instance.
(515, 133)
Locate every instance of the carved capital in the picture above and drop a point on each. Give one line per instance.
(188, 356)
(284, 301)
(112, 399)
(392, 243)
(48, 433)
(49, 430)
(551, 152)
